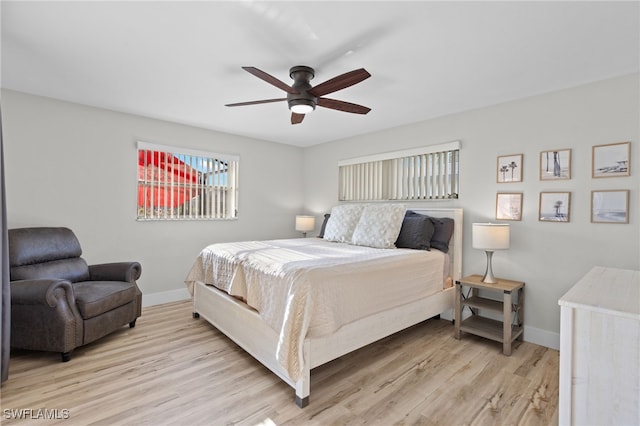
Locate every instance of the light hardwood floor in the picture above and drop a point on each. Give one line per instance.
(175, 370)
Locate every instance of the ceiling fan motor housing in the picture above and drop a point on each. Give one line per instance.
(301, 76)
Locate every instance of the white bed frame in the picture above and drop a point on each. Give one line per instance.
(244, 326)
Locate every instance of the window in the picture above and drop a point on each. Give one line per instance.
(183, 184)
(426, 173)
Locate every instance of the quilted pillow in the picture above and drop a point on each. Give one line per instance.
(379, 225)
(342, 222)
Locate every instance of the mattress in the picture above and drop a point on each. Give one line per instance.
(312, 287)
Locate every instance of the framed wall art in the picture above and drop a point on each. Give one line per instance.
(554, 207)
(509, 206)
(509, 168)
(555, 164)
(610, 206)
(610, 160)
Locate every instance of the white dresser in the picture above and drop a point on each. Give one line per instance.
(600, 349)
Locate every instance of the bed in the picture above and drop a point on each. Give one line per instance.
(297, 304)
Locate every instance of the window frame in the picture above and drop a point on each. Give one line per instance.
(176, 183)
(416, 174)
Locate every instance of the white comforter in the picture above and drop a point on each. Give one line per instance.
(311, 287)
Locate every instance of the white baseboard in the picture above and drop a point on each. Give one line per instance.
(542, 337)
(151, 299)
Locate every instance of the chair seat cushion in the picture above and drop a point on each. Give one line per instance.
(97, 297)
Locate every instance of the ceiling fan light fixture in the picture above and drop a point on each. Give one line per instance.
(302, 106)
(302, 98)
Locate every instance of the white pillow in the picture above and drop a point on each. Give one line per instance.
(342, 222)
(379, 225)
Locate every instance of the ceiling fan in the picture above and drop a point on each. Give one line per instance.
(303, 98)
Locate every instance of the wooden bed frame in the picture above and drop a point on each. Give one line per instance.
(244, 326)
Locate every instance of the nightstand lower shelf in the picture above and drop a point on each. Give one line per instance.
(488, 328)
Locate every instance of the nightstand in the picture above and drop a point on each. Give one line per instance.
(506, 331)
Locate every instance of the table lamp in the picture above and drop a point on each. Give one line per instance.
(490, 237)
(305, 224)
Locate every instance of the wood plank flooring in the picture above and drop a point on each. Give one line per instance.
(172, 369)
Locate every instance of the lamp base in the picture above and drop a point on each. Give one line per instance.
(488, 273)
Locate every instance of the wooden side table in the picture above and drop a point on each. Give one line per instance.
(505, 331)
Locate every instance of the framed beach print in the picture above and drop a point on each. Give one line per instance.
(610, 160)
(509, 206)
(509, 168)
(610, 206)
(554, 207)
(555, 164)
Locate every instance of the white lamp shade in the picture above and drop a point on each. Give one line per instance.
(490, 236)
(305, 223)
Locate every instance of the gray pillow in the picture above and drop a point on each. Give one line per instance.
(416, 233)
(443, 230)
(324, 224)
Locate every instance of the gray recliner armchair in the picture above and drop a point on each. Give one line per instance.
(58, 302)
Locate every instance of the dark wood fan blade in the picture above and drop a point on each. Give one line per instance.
(264, 101)
(270, 79)
(340, 82)
(343, 106)
(296, 118)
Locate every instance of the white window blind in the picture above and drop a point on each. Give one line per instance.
(182, 184)
(426, 173)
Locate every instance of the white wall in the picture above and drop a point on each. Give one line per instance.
(549, 257)
(76, 166)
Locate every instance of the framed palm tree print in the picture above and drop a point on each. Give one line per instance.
(554, 206)
(555, 164)
(509, 168)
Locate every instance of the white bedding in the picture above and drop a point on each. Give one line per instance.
(311, 287)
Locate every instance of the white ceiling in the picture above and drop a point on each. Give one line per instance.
(180, 61)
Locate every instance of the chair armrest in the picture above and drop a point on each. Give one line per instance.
(119, 271)
(47, 292)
